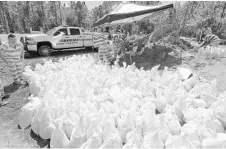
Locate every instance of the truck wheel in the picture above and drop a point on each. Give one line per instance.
(89, 48)
(96, 49)
(44, 50)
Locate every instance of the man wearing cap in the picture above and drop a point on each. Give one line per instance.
(12, 54)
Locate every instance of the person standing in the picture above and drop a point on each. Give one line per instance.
(14, 55)
(3, 63)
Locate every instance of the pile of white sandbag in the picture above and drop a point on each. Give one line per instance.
(213, 52)
(79, 103)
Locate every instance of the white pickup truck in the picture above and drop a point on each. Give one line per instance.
(73, 38)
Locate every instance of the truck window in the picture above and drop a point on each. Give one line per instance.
(74, 31)
(64, 30)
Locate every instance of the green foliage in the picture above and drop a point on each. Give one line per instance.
(146, 26)
(20, 16)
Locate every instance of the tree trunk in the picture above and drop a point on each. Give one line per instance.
(3, 16)
(184, 20)
(55, 12)
(61, 19)
(4, 21)
(43, 13)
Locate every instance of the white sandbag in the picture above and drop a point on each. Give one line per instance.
(190, 83)
(78, 136)
(32, 78)
(224, 53)
(35, 123)
(111, 134)
(206, 117)
(205, 132)
(221, 52)
(176, 141)
(94, 135)
(200, 50)
(214, 124)
(68, 126)
(34, 88)
(152, 140)
(190, 140)
(162, 128)
(160, 103)
(173, 123)
(205, 53)
(208, 98)
(125, 125)
(94, 142)
(194, 113)
(130, 145)
(26, 115)
(195, 103)
(112, 142)
(219, 108)
(200, 127)
(149, 122)
(104, 116)
(212, 54)
(148, 106)
(46, 127)
(180, 106)
(170, 96)
(59, 138)
(217, 142)
(184, 72)
(36, 103)
(28, 111)
(198, 89)
(199, 103)
(134, 138)
(87, 144)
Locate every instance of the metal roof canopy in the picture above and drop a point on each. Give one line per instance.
(129, 12)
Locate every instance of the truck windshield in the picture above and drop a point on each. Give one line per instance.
(50, 32)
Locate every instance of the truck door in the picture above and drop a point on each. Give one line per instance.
(63, 43)
(76, 37)
(88, 38)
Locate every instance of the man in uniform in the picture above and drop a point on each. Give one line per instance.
(3, 63)
(14, 55)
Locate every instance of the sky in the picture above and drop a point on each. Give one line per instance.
(93, 4)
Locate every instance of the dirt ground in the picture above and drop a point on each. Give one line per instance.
(12, 136)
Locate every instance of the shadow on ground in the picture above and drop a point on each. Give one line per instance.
(170, 62)
(154, 57)
(58, 54)
(11, 88)
(40, 142)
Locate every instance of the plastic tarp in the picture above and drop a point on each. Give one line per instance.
(129, 12)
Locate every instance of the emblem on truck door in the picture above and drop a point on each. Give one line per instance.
(68, 41)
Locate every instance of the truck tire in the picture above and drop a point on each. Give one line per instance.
(96, 49)
(89, 48)
(44, 50)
